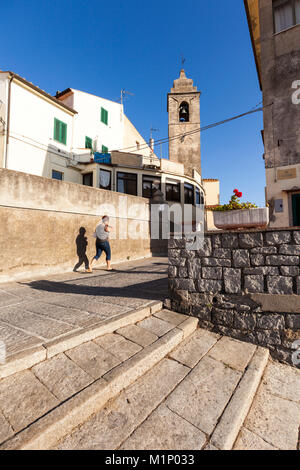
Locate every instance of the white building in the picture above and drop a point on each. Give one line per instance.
(56, 137)
(29, 142)
(46, 136)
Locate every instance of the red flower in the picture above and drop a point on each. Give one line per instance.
(235, 191)
(239, 195)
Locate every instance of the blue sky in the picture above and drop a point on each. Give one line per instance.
(103, 46)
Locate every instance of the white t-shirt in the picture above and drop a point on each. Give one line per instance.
(100, 232)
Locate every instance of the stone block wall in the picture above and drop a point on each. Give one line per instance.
(242, 284)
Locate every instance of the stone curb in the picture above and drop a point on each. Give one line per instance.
(30, 357)
(72, 340)
(23, 360)
(50, 429)
(188, 326)
(228, 428)
(129, 371)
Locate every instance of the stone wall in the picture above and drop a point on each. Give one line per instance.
(40, 220)
(242, 284)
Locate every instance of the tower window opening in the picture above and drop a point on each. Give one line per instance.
(184, 113)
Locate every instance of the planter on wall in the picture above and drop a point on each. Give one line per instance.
(249, 218)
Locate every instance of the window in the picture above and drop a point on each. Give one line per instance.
(60, 131)
(88, 143)
(188, 193)
(173, 192)
(197, 194)
(296, 209)
(199, 197)
(57, 175)
(184, 114)
(127, 183)
(104, 116)
(150, 185)
(104, 149)
(286, 14)
(105, 179)
(88, 179)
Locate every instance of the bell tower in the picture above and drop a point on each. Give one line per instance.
(184, 117)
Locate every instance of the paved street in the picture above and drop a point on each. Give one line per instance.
(38, 311)
(153, 381)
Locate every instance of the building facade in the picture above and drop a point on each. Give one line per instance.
(212, 195)
(184, 118)
(143, 176)
(47, 136)
(36, 132)
(82, 138)
(275, 32)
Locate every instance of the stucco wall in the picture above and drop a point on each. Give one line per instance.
(118, 134)
(212, 192)
(280, 62)
(40, 219)
(31, 143)
(88, 121)
(3, 112)
(209, 220)
(280, 189)
(280, 65)
(131, 137)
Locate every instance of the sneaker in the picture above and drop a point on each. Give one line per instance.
(89, 270)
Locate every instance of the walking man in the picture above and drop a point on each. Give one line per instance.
(102, 242)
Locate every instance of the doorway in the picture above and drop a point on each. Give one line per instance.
(296, 209)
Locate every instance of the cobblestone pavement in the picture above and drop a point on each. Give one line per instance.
(37, 311)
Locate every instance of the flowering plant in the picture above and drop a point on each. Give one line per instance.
(234, 203)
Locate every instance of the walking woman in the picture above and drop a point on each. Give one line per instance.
(102, 242)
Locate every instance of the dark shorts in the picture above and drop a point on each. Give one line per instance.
(103, 246)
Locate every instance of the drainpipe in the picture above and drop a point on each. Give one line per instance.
(8, 121)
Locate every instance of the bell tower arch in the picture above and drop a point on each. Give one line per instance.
(184, 117)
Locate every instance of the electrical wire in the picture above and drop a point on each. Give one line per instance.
(200, 129)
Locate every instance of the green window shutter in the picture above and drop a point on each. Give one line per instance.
(104, 116)
(63, 133)
(56, 129)
(104, 149)
(88, 143)
(60, 131)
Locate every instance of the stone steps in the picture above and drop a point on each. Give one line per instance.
(182, 381)
(41, 405)
(196, 398)
(29, 357)
(159, 383)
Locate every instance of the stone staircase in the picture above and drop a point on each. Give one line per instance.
(150, 379)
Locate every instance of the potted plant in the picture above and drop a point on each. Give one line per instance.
(240, 215)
